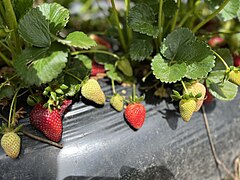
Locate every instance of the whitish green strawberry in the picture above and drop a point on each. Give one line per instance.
(11, 143)
(234, 77)
(92, 91)
(117, 102)
(187, 107)
(195, 89)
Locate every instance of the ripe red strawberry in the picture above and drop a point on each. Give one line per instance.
(187, 107)
(101, 41)
(50, 123)
(135, 115)
(236, 60)
(208, 98)
(215, 41)
(97, 68)
(64, 106)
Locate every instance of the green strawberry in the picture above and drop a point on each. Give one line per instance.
(196, 88)
(92, 91)
(10, 143)
(187, 107)
(117, 102)
(234, 77)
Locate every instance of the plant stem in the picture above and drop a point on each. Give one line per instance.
(224, 62)
(160, 21)
(113, 86)
(95, 51)
(42, 139)
(146, 76)
(11, 112)
(217, 160)
(12, 23)
(176, 15)
(129, 30)
(5, 82)
(184, 19)
(5, 59)
(210, 16)
(184, 87)
(122, 40)
(134, 93)
(72, 75)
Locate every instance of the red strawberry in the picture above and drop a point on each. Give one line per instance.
(135, 115)
(101, 41)
(50, 123)
(64, 106)
(215, 41)
(97, 68)
(236, 60)
(208, 98)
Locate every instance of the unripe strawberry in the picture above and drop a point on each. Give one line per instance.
(117, 102)
(135, 115)
(234, 77)
(187, 108)
(196, 88)
(11, 143)
(216, 41)
(92, 91)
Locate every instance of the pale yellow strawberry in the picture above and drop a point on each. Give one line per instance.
(11, 143)
(92, 91)
(234, 77)
(117, 102)
(196, 88)
(187, 108)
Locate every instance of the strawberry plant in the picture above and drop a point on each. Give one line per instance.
(187, 52)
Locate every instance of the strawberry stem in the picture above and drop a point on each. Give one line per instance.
(224, 62)
(72, 75)
(5, 82)
(95, 51)
(217, 160)
(210, 16)
(113, 86)
(42, 139)
(134, 93)
(12, 110)
(176, 15)
(160, 21)
(184, 87)
(146, 76)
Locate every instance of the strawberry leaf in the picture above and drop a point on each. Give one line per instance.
(143, 23)
(34, 28)
(231, 10)
(6, 92)
(221, 90)
(113, 73)
(21, 7)
(141, 48)
(226, 55)
(166, 72)
(181, 48)
(56, 15)
(79, 40)
(41, 65)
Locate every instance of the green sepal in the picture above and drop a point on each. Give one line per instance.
(176, 96)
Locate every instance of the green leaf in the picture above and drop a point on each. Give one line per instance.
(141, 48)
(21, 7)
(6, 92)
(56, 15)
(41, 65)
(181, 47)
(79, 40)
(125, 67)
(112, 73)
(167, 72)
(221, 90)
(34, 28)
(231, 10)
(213, 4)
(169, 8)
(142, 19)
(177, 41)
(227, 56)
